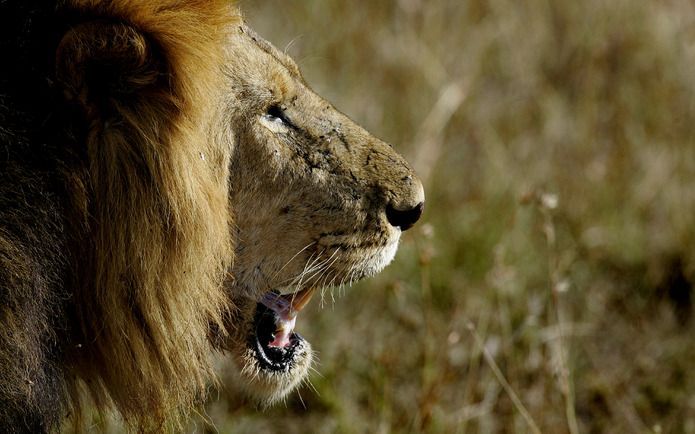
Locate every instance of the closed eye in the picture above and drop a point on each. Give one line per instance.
(276, 114)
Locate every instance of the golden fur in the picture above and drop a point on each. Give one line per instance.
(153, 202)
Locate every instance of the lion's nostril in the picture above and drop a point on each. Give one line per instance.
(404, 219)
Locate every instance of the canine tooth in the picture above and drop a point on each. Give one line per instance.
(300, 299)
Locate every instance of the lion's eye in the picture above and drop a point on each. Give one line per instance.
(277, 115)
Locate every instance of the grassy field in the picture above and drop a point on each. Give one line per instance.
(549, 286)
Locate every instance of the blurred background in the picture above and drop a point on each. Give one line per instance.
(549, 285)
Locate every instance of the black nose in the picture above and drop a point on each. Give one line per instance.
(404, 219)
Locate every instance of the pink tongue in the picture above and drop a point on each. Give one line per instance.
(283, 332)
(286, 308)
(285, 318)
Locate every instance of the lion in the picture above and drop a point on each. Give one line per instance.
(170, 187)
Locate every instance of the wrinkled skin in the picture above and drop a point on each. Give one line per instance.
(309, 193)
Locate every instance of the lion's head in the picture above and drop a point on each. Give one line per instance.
(318, 202)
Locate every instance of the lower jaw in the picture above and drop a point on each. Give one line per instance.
(269, 381)
(272, 358)
(252, 378)
(267, 386)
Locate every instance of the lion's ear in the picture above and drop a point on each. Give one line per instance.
(104, 65)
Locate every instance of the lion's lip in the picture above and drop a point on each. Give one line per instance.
(286, 307)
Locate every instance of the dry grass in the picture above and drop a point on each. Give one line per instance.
(556, 139)
(552, 275)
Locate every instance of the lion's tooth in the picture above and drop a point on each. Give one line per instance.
(300, 299)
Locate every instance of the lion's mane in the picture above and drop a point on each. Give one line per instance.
(114, 227)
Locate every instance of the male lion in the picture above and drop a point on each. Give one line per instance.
(169, 185)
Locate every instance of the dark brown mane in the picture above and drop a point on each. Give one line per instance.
(113, 208)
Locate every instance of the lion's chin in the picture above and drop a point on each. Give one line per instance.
(380, 258)
(268, 373)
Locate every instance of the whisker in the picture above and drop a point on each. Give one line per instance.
(290, 260)
(312, 387)
(293, 280)
(300, 399)
(317, 271)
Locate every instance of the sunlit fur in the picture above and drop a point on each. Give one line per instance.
(309, 195)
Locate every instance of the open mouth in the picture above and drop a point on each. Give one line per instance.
(274, 341)
(272, 358)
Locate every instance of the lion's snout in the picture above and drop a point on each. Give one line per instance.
(404, 218)
(406, 208)
(401, 195)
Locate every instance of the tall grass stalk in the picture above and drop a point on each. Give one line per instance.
(502, 380)
(547, 203)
